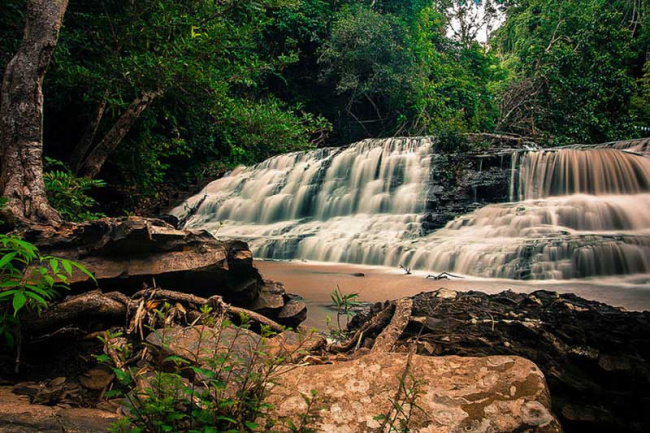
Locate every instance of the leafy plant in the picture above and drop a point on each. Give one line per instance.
(307, 418)
(68, 193)
(403, 406)
(28, 282)
(214, 389)
(344, 304)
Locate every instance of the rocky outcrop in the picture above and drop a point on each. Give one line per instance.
(18, 415)
(498, 393)
(129, 254)
(462, 183)
(595, 357)
(126, 254)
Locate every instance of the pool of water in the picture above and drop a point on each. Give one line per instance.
(315, 281)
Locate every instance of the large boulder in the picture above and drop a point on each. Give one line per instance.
(596, 358)
(454, 394)
(127, 254)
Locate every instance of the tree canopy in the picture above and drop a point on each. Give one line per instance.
(156, 92)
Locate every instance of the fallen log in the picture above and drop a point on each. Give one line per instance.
(216, 302)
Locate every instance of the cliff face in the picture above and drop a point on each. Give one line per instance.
(461, 183)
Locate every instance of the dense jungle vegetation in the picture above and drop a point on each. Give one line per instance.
(150, 93)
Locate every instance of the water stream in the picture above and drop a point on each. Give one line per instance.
(573, 212)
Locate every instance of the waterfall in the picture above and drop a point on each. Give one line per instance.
(573, 212)
(568, 171)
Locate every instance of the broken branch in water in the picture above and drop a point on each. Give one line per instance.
(407, 270)
(442, 276)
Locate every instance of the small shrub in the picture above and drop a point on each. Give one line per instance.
(69, 194)
(344, 304)
(28, 282)
(402, 406)
(215, 391)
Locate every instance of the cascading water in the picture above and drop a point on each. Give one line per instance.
(574, 213)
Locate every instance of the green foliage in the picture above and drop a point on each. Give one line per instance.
(243, 80)
(344, 304)
(28, 281)
(257, 130)
(207, 391)
(641, 100)
(368, 63)
(402, 406)
(573, 67)
(206, 60)
(69, 194)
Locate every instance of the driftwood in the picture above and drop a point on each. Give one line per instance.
(216, 302)
(405, 269)
(442, 276)
(389, 336)
(379, 321)
(115, 307)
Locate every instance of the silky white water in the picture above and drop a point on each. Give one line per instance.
(574, 213)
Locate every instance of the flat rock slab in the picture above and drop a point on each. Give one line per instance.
(202, 344)
(490, 394)
(17, 415)
(126, 253)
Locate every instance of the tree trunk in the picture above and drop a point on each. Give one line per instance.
(21, 116)
(82, 148)
(93, 163)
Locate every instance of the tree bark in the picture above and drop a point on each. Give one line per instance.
(93, 163)
(21, 116)
(82, 148)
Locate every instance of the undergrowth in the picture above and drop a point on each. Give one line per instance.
(220, 387)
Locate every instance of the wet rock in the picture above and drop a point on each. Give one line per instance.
(500, 394)
(271, 299)
(18, 415)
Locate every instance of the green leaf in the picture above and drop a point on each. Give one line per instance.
(225, 418)
(85, 271)
(37, 298)
(54, 264)
(6, 259)
(67, 266)
(19, 302)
